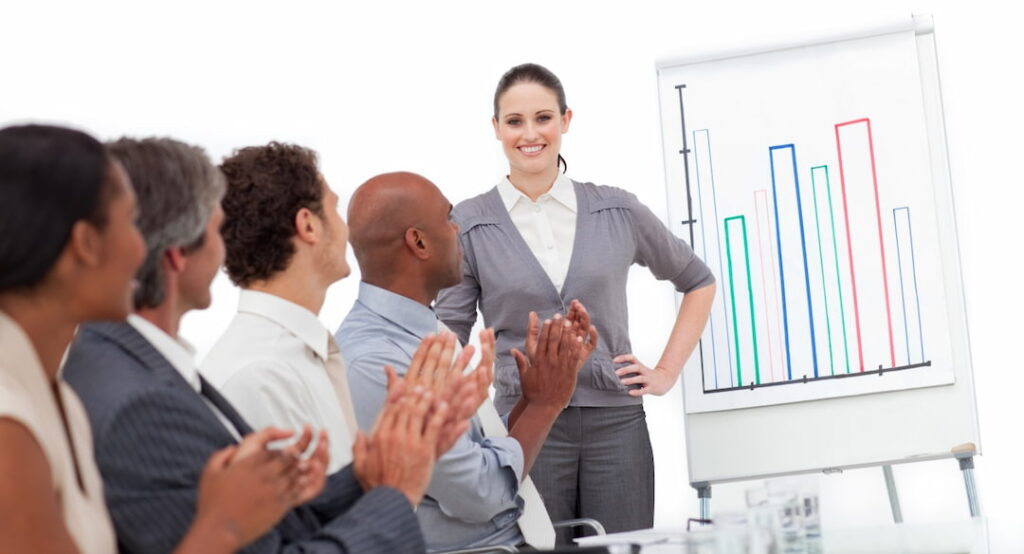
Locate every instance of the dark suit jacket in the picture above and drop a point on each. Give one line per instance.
(153, 434)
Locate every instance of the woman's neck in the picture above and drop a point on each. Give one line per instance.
(48, 324)
(534, 184)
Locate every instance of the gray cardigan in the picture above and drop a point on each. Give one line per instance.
(502, 276)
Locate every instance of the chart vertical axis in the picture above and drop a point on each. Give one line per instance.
(689, 215)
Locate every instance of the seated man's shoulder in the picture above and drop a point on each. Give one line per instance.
(238, 360)
(102, 371)
(362, 333)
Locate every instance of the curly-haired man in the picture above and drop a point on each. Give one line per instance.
(285, 245)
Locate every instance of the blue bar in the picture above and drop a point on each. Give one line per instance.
(803, 246)
(913, 276)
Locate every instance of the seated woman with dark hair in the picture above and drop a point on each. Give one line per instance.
(69, 250)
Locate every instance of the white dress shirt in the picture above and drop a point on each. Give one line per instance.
(181, 355)
(548, 225)
(271, 365)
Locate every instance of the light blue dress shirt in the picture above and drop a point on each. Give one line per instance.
(473, 496)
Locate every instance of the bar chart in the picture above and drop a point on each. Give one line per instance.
(803, 179)
(820, 267)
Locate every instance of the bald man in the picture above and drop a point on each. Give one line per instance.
(408, 250)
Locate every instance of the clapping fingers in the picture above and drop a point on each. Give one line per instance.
(433, 368)
(412, 373)
(298, 448)
(484, 372)
(312, 473)
(522, 363)
(362, 466)
(321, 454)
(257, 441)
(396, 385)
(592, 339)
(486, 352)
(462, 361)
(434, 424)
(461, 409)
(532, 335)
(543, 342)
(554, 342)
(579, 316)
(443, 370)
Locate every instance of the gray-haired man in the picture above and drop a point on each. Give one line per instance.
(156, 420)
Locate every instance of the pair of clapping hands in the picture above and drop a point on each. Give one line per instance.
(555, 352)
(247, 488)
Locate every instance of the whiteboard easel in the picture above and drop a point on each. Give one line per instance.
(899, 426)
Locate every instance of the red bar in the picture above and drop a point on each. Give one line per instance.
(881, 243)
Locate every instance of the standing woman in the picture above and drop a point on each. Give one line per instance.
(69, 250)
(538, 241)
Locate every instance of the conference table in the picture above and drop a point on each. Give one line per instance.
(968, 536)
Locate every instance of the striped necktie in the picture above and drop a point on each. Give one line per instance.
(338, 375)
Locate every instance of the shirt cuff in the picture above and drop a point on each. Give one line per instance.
(508, 452)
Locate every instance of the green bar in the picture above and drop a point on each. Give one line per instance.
(732, 298)
(835, 255)
(821, 263)
(750, 298)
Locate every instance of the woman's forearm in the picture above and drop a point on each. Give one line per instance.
(690, 322)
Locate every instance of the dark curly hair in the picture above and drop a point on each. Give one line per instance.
(267, 186)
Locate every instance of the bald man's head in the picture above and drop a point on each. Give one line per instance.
(400, 229)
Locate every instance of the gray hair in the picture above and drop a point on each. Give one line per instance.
(177, 188)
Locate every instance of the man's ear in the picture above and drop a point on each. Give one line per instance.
(307, 226)
(416, 242)
(175, 259)
(85, 245)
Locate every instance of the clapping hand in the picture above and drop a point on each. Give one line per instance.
(402, 447)
(311, 471)
(548, 375)
(581, 327)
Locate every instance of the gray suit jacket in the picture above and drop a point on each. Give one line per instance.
(153, 435)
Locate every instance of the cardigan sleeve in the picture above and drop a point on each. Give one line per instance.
(668, 257)
(456, 306)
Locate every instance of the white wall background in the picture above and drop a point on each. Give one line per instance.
(408, 85)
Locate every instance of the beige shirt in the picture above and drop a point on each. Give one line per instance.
(271, 363)
(26, 397)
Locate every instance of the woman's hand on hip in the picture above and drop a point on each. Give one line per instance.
(652, 381)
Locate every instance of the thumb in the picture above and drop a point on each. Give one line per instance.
(521, 363)
(359, 447)
(220, 459)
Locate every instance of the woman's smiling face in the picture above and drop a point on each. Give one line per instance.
(530, 127)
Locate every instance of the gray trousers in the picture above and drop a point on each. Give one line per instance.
(597, 463)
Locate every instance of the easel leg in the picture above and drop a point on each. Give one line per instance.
(704, 497)
(967, 466)
(894, 498)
